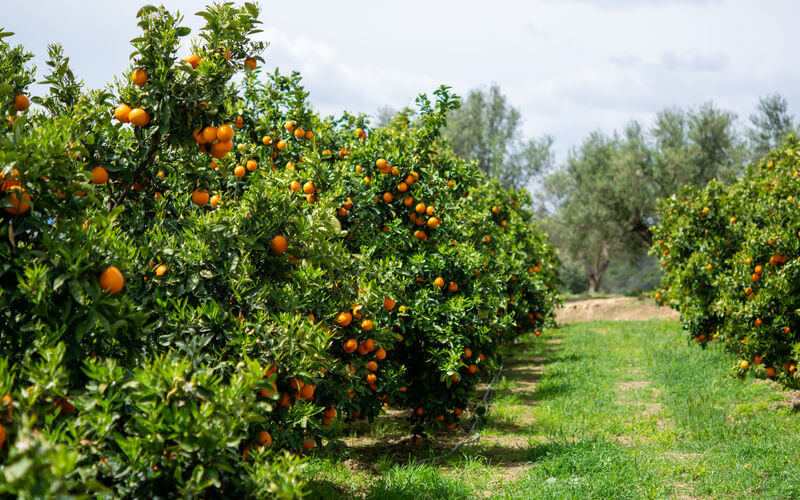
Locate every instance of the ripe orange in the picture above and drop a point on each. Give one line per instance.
(408, 201)
(249, 64)
(433, 222)
(387, 197)
(66, 407)
(215, 200)
(770, 372)
(111, 280)
(307, 391)
(309, 188)
(193, 59)
(402, 187)
(429, 210)
(366, 324)
(266, 140)
(468, 352)
(420, 235)
(210, 134)
(252, 165)
(381, 164)
(279, 244)
(472, 368)
(388, 303)
(238, 123)
(438, 282)
(453, 287)
(420, 208)
(139, 117)
(21, 102)
(239, 171)
(265, 439)
(420, 411)
(160, 270)
(139, 77)
(122, 112)
(309, 134)
(350, 345)
(281, 145)
(744, 365)
(372, 366)
(221, 148)
(380, 354)
(369, 344)
(18, 206)
(99, 175)
(200, 197)
(295, 186)
(299, 133)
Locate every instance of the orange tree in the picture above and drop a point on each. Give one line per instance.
(198, 274)
(729, 256)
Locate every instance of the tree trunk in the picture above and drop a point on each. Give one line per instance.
(596, 268)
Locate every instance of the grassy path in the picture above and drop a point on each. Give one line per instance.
(595, 410)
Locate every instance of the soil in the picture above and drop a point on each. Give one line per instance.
(613, 309)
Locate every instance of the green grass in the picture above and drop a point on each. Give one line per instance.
(600, 410)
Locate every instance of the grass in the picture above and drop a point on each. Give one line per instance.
(594, 410)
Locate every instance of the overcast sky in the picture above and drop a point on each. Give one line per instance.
(570, 66)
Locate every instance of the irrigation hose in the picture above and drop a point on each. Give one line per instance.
(477, 435)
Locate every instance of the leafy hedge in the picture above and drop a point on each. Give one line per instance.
(730, 260)
(185, 313)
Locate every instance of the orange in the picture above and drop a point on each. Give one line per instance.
(160, 270)
(239, 171)
(429, 210)
(758, 270)
(309, 188)
(111, 280)
(453, 287)
(221, 148)
(408, 201)
(380, 354)
(420, 208)
(21, 102)
(350, 345)
(279, 244)
(215, 200)
(472, 368)
(387, 197)
(122, 112)
(193, 59)
(468, 352)
(420, 411)
(307, 391)
(433, 222)
(299, 133)
(372, 366)
(309, 134)
(366, 324)
(249, 64)
(281, 145)
(2, 436)
(252, 165)
(744, 365)
(139, 77)
(18, 206)
(758, 322)
(238, 123)
(369, 344)
(308, 444)
(200, 197)
(457, 411)
(381, 164)
(289, 126)
(139, 117)
(330, 412)
(66, 407)
(420, 235)
(344, 319)
(438, 282)
(99, 175)
(265, 439)
(388, 303)
(770, 372)
(495, 210)
(295, 186)
(210, 134)
(266, 140)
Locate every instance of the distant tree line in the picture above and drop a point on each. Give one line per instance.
(600, 203)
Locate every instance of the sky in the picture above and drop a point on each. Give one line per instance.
(570, 66)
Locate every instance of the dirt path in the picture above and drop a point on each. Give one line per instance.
(612, 309)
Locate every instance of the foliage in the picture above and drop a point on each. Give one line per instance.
(177, 307)
(729, 261)
(487, 129)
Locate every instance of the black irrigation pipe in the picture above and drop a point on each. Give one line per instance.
(477, 435)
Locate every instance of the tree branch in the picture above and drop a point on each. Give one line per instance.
(146, 161)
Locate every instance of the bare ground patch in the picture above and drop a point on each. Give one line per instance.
(613, 309)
